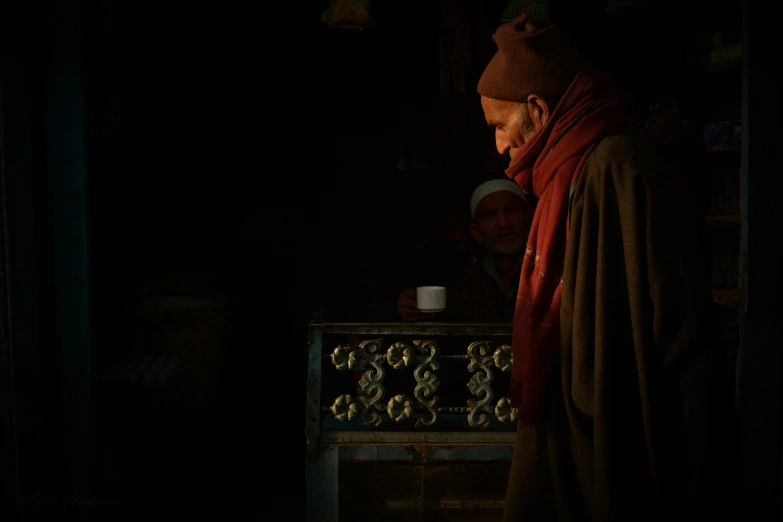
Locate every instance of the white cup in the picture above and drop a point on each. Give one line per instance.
(431, 299)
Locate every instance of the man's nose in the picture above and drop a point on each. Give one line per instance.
(503, 220)
(501, 144)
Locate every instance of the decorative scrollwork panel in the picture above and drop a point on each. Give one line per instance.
(426, 380)
(423, 356)
(480, 384)
(372, 382)
(400, 355)
(400, 407)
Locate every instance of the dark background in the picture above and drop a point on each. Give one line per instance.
(338, 110)
(247, 158)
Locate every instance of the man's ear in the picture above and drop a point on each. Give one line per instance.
(539, 110)
(476, 233)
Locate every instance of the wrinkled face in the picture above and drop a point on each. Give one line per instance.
(501, 224)
(515, 123)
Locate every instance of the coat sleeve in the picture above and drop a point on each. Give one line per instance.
(638, 341)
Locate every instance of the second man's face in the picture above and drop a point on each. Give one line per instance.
(501, 223)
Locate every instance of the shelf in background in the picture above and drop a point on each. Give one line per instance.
(724, 147)
(731, 221)
(728, 297)
(726, 65)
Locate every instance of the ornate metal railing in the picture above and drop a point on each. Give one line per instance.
(407, 417)
(424, 355)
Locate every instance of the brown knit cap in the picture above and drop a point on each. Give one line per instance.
(533, 57)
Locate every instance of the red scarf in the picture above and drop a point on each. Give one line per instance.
(548, 166)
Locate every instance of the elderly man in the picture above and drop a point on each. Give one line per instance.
(613, 340)
(485, 292)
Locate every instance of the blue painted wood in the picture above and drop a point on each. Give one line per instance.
(451, 439)
(430, 329)
(445, 422)
(750, 112)
(759, 386)
(16, 166)
(312, 421)
(437, 453)
(418, 438)
(322, 487)
(65, 239)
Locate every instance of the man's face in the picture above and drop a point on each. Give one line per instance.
(515, 123)
(501, 224)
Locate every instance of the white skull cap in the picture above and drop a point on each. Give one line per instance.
(490, 187)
